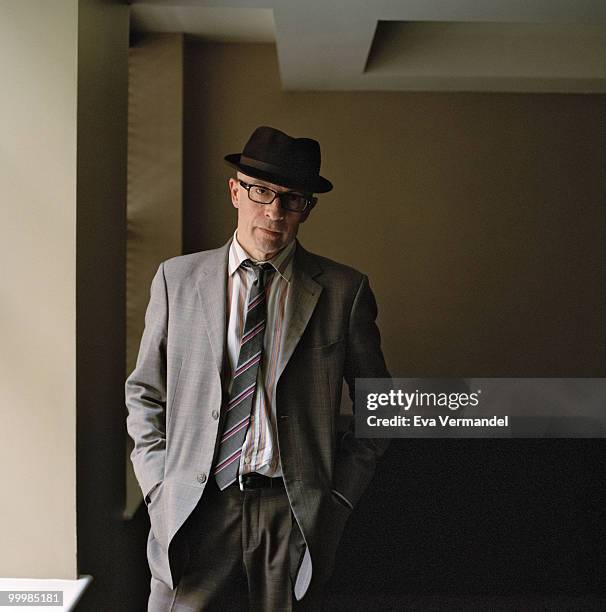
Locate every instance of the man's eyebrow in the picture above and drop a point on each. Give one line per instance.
(254, 181)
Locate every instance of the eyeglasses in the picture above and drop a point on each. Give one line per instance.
(289, 200)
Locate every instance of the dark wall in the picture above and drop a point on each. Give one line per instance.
(110, 549)
(480, 518)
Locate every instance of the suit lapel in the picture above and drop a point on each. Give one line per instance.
(302, 299)
(304, 293)
(212, 291)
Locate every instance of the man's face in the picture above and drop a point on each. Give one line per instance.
(263, 229)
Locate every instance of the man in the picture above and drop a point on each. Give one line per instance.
(234, 400)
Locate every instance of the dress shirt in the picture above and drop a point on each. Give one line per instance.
(260, 450)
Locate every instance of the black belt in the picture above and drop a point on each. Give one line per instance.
(252, 481)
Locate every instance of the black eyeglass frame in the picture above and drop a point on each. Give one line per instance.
(310, 201)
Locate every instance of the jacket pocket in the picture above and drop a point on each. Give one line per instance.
(152, 493)
(333, 527)
(157, 514)
(341, 499)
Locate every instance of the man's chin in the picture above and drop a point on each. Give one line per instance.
(270, 247)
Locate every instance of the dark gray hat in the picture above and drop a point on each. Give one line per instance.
(273, 156)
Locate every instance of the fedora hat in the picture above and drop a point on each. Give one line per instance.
(276, 157)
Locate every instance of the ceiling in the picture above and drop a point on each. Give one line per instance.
(410, 45)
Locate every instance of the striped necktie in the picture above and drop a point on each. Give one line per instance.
(244, 380)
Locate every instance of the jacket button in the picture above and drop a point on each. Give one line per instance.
(201, 478)
(215, 414)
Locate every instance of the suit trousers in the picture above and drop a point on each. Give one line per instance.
(239, 556)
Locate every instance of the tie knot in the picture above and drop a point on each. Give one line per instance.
(260, 270)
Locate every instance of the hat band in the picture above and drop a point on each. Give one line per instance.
(266, 167)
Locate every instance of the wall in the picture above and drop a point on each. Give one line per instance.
(38, 64)
(110, 549)
(154, 207)
(478, 217)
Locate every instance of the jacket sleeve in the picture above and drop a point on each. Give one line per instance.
(146, 392)
(357, 457)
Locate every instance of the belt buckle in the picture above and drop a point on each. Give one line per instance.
(241, 481)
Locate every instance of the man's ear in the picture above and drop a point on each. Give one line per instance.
(233, 191)
(308, 211)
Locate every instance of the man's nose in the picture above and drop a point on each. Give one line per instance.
(274, 211)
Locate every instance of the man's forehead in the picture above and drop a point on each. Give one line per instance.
(258, 181)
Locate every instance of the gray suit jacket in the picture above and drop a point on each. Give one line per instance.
(175, 394)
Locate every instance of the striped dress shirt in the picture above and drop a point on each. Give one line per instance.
(260, 451)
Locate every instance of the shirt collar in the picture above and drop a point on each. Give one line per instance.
(282, 262)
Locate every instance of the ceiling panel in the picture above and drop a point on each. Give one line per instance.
(416, 45)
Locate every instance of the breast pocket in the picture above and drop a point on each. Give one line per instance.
(320, 370)
(325, 359)
(315, 344)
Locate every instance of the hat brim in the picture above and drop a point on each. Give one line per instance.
(318, 185)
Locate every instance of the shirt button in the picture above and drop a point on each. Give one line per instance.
(201, 478)
(215, 414)
(246, 460)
